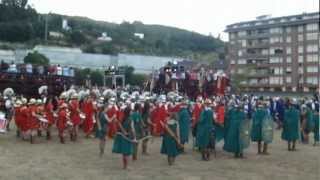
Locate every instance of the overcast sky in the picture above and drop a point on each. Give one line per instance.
(203, 16)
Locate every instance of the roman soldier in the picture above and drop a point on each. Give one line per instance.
(290, 132)
(74, 116)
(159, 116)
(49, 114)
(33, 122)
(17, 116)
(184, 122)
(24, 113)
(234, 120)
(112, 113)
(204, 128)
(89, 111)
(197, 109)
(62, 121)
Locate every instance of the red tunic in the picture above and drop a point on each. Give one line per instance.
(33, 122)
(220, 114)
(74, 112)
(88, 110)
(17, 117)
(62, 120)
(159, 116)
(49, 113)
(196, 113)
(24, 113)
(112, 126)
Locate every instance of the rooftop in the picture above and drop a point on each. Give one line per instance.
(267, 20)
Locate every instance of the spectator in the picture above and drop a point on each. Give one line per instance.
(40, 70)
(4, 66)
(12, 68)
(29, 68)
(65, 71)
(71, 72)
(59, 70)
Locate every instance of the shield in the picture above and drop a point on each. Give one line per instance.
(244, 133)
(267, 129)
(3, 123)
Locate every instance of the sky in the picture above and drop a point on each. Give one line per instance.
(202, 16)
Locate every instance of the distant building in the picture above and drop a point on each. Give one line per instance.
(56, 35)
(276, 54)
(65, 25)
(104, 37)
(139, 35)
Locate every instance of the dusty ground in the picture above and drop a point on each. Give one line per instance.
(80, 161)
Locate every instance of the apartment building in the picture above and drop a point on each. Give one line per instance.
(276, 54)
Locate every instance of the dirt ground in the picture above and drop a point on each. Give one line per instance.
(80, 161)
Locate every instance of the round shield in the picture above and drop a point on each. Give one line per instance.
(267, 129)
(244, 133)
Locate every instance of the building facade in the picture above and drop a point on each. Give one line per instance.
(276, 54)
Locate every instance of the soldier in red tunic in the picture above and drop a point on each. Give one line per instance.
(62, 121)
(17, 116)
(75, 116)
(33, 122)
(24, 113)
(48, 109)
(220, 113)
(198, 107)
(89, 110)
(112, 118)
(160, 116)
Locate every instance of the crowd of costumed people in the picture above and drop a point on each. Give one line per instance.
(133, 118)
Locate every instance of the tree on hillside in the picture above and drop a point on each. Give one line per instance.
(36, 58)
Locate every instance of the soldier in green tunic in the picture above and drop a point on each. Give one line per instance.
(290, 132)
(147, 124)
(101, 127)
(317, 127)
(204, 128)
(123, 142)
(184, 122)
(232, 142)
(259, 116)
(138, 126)
(170, 139)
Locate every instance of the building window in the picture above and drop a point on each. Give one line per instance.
(289, 69)
(288, 39)
(242, 61)
(277, 70)
(300, 70)
(232, 71)
(289, 59)
(275, 40)
(244, 43)
(240, 53)
(242, 33)
(300, 29)
(232, 62)
(312, 58)
(276, 30)
(275, 60)
(265, 52)
(312, 69)
(232, 35)
(240, 71)
(312, 27)
(312, 48)
(288, 50)
(300, 59)
(312, 80)
(275, 80)
(288, 29)
(288, 79)
(232, 42)
(312, 36)
(300, 37)
(300, 49)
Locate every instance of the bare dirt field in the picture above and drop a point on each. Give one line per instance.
(80, 161)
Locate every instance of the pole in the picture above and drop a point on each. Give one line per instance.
(46, 29)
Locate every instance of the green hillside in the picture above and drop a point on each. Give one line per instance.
(21, 23)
